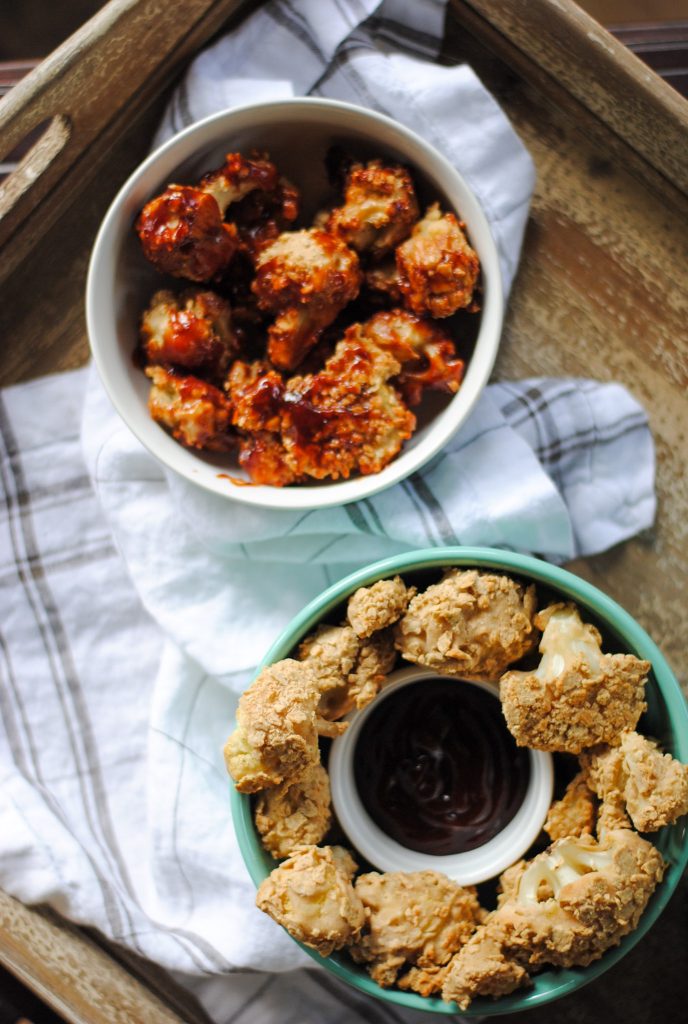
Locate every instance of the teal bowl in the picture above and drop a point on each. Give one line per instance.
(666, 719)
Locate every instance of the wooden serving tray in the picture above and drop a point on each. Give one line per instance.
(602, 292)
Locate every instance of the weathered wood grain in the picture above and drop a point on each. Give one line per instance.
(599, 72)
(81, 981)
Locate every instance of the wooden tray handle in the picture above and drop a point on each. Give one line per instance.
(87, 93)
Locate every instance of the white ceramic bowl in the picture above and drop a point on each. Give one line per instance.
(468, 868)
(297, 133)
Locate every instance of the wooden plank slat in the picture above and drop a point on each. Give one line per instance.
(78, 979)
(599, 72)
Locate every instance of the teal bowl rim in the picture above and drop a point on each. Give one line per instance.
(548, 985)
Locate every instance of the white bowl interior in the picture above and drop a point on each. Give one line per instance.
(297, 134)
(468, 868)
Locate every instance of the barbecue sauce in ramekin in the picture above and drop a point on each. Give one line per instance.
(437, 769)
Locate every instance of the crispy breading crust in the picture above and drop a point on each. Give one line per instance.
(420, 918)
(296, 813)
(379, 208)
(378, 606)
(311, 895)
(349, 670)
(470, 624)
(277, 728)
(636, 777)
(594, 895)
(577, 696)
(576, 813)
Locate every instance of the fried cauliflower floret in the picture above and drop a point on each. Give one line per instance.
(295, 813)
(379, 209)
(577, 696)
(426, 353)
(437, 269)
(418, 918)
(306, 278)
(311, 895)
(349, 670)
(469, 624)
(572, 903)
(238, 176)
(347, 418)
(482, 968)
(195, 412)
(378, 606)
(576, 813)
(637, 778)
(182, 231)
(255, 393)
(192, 330)
(276, 738)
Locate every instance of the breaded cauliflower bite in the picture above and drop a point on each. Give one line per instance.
(379, 210)
(635, 777)
(378, 606)
(418, 919)
(196, 413)
(347, 418)
(182, 231)
(576, 813)
(570, 904)
(276, 737)
(305, 277)
(470, 624)
(577, 696)
(437, 269)
(349, 670)
(295, 814)
(427, 355)
(311, 895)
(192, 330)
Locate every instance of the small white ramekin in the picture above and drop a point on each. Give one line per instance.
(385, 853)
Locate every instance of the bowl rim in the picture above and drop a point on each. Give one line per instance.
(563, 981)
(341, 492)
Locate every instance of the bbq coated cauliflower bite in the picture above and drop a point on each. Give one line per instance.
(569, 905)
(416, 918)
(195, 412)
(577, 696)
(379, 209)
(305, 277)
(191, 330)
(437, 269)
(296, 813)
(311, 895)
(182, 231)
(276, 738)
(635, 777)
(470, 624)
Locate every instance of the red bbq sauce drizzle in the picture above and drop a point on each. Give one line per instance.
(437, 769)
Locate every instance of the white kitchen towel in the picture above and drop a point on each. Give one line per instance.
(118, 687)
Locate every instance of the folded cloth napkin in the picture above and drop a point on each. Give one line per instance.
(132, 619)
